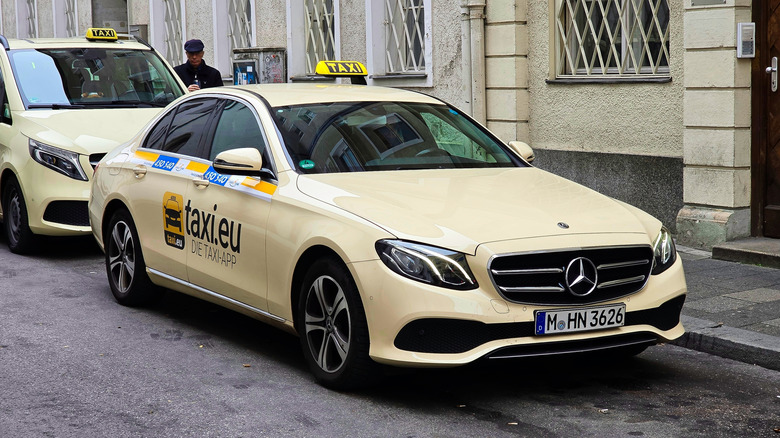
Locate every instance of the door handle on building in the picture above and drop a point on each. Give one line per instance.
(773, 71)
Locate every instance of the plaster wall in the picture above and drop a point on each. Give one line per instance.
(199, 19)
(622, 118)
(447, 51)
(270, 23)
(45, 20)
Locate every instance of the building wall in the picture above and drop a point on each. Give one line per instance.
(603, 135)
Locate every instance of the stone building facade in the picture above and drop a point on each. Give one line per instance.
(643, 100)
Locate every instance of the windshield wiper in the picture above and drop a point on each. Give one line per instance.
(123, 104)
(55, 106)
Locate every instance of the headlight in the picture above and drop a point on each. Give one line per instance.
(428, 264)
(664, 252)
(60, 160)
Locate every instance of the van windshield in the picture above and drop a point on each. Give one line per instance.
(93, 77)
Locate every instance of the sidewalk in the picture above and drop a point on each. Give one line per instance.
(732, 309)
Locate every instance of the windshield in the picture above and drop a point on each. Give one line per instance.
(87, 77)
(365, 136)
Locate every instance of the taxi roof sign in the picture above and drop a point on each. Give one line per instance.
(340, 68)
(101, 33)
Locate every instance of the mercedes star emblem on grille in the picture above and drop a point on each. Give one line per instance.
(581, 276)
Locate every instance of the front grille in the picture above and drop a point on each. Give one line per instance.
(68, 213)
(452, 336)
(539, 278)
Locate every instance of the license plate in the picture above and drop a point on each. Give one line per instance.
(549, 322)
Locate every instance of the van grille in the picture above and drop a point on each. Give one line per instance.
(540, 278)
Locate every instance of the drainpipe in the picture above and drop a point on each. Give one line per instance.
(476, 25)
(465, 44)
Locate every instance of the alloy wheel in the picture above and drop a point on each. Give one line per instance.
(121, 256)
(328, 326)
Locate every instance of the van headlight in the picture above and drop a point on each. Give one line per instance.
(427, 264)
(60, 160)
(664, 252)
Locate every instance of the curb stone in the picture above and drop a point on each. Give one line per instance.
(729, 342)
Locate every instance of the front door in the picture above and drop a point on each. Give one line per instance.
(766, 122)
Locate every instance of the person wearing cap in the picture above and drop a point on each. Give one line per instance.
(195, 73)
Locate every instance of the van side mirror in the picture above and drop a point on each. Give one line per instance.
(522, 150)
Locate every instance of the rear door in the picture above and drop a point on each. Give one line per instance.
(164, 168)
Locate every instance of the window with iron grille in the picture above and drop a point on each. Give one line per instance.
(173, 32)
(319, 18)
(612, 38)
(71, 22)
(398, 47)
(404, 36)
(239, 23)
(28, 19)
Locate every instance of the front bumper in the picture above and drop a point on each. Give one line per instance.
(412, 324)
(56, 204)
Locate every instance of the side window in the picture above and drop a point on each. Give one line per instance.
(5, 109)
(237, 128)
(156, 137)
(188, 127)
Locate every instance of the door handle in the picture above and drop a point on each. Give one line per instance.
(139, 171)
(200, 183)
(773, 71)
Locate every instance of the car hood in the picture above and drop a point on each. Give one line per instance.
(85, 131)
(463, 208)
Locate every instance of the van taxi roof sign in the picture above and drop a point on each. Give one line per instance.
(340, 68)
(101, 33)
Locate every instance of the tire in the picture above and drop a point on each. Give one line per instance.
(333, 329)
(21, 239)
(125, 265)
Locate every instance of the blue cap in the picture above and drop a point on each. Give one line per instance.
(193, 46)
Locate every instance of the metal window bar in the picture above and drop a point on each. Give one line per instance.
(612, 37)
(239, 24)
(319, 27)
(404, 36)
(70, 18)
(173, 36)
(31, 30)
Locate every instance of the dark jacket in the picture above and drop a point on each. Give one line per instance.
(207, 76)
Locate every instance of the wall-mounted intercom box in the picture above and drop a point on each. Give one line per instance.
(746, 40)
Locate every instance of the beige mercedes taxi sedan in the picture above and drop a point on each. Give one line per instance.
(381, 226)
(65, 103)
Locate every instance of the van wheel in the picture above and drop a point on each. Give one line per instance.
(125, 265)
(333, 329)
(21, 239)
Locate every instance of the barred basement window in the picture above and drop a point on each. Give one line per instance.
(319, 27)
(612, 37)
(404, 36)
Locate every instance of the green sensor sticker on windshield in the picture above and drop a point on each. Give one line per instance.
(306, 164)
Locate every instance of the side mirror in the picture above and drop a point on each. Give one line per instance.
(522, 150)
(243, 161)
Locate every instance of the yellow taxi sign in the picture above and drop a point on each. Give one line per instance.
(340, 68)
(101, 33)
